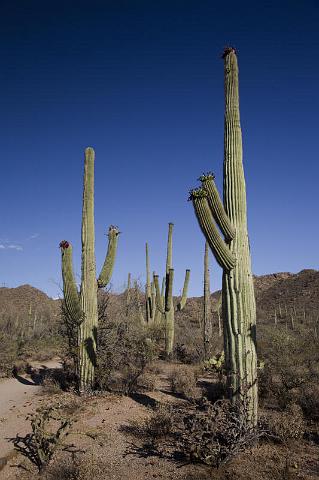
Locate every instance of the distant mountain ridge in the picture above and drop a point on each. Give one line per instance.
(283, 292)
(27, 302)
(280, 295)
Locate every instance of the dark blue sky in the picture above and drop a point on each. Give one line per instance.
(142, 82)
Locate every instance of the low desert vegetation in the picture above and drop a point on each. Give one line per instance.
(30, 328)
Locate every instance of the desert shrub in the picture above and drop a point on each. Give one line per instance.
(8, 354)
(291, 368)
(200, 433)
(309, 401)
(215, 390)
(50, 386)
(20, 367)
(190, 352)
(183, 382)
(266, 389)
(125, 348)
(158, 425)
(146, 382)
(214, 433)
(16, 350)
(285, 425)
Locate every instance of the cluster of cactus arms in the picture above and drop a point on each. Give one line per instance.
(232, 252)
(207, 323)
(164, 303)
(81, 307)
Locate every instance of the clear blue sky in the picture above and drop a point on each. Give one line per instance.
(142, 82)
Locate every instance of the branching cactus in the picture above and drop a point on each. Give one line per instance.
(207, 323)
(232, 252)
(81, 307)
(166, 305)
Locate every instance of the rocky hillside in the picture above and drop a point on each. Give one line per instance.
(27, 306)
(278, 296)
(287, 294)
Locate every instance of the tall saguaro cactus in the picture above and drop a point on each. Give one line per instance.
(232, 252)
(81, 308)
(166, 305)
(149, 291)
(207, 323)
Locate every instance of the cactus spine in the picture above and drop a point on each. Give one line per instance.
(233, 252)
(207, 323)
(82, 308)
(166, 305)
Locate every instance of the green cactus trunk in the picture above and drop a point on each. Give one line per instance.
(88, 292)
(169, 306)
(81, 309)
(233, 252)
(238, 306)
(149, 291)
(165, 305)
(207, 323)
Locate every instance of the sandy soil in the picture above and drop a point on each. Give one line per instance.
(18, 397)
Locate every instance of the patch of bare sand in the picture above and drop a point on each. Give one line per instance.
(18, 398)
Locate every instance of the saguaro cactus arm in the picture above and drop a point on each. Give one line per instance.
(159, 300)
(153, 300)
(169, 248)
(217, 207)
(183, 300)
(70, 291)
(221, 251)
(109, 261)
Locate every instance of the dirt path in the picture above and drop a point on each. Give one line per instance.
(18, 397)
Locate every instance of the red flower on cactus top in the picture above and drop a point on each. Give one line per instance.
(64, 244)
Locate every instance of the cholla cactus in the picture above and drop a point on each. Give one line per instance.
(166, 305)
(82, 308)
(233, 252)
